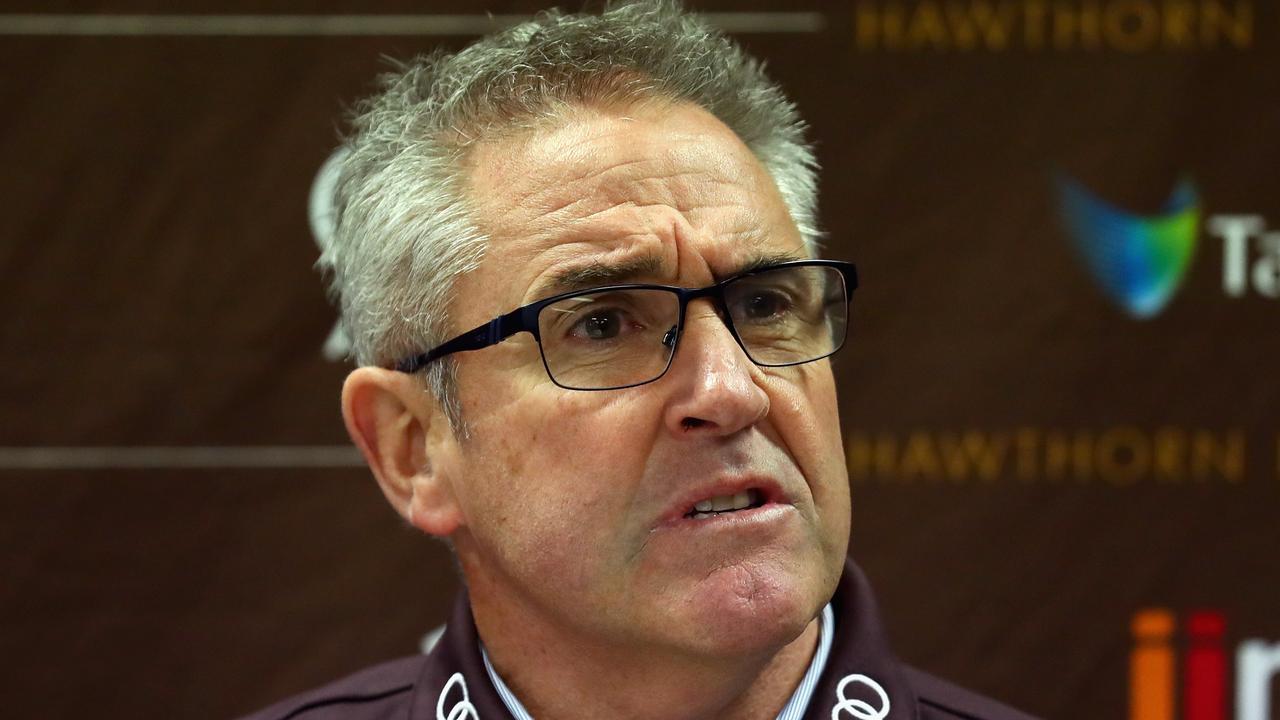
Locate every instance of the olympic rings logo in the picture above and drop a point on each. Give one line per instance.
(856, 708)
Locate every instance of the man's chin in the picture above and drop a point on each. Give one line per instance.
(742, 609)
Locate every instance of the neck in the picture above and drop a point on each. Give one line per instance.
(560, 675)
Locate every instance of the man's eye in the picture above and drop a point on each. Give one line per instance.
(764, 305)
(599, 325)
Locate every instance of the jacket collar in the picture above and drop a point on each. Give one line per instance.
(862, 679)
(861, 662)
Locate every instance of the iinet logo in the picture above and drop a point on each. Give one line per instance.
(1153, 668)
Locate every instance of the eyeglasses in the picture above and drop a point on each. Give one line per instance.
(620, 336)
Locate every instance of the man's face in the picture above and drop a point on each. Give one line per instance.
(575, 503)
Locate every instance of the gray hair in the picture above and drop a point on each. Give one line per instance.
(402, 230)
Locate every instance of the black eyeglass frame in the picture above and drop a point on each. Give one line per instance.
(525, 319)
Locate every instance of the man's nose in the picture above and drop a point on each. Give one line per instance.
(715, 388)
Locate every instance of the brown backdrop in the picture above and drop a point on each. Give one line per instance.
(1031, 465)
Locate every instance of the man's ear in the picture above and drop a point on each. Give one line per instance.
(407, 442)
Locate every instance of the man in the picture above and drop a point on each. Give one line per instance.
(576, 263)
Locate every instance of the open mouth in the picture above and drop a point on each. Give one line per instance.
(723, 504)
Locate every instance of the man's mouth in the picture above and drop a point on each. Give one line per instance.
(722, 504)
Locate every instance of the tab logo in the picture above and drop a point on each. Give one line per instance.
(1138, 261)
(1153, 692)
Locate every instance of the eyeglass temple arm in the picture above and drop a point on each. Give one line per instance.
(850, 272)
(490, 333)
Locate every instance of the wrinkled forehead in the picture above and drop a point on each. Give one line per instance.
(614, 181)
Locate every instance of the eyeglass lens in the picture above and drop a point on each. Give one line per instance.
(617, 338)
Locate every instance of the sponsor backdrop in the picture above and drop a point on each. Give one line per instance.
(1061, 400)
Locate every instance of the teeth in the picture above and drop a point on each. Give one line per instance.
(722, 503)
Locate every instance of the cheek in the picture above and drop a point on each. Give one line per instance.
(550, 484)
(806, 412)
(808, 418)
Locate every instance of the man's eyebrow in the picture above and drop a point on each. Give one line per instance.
(597, 273)
(764, 260)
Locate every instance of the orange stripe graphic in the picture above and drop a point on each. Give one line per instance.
(1151, 666)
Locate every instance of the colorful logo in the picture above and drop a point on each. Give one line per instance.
(1153, 669)
(1139, 261)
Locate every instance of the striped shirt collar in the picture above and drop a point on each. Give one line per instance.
(793, 710)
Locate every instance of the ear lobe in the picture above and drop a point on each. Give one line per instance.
(406, 440)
